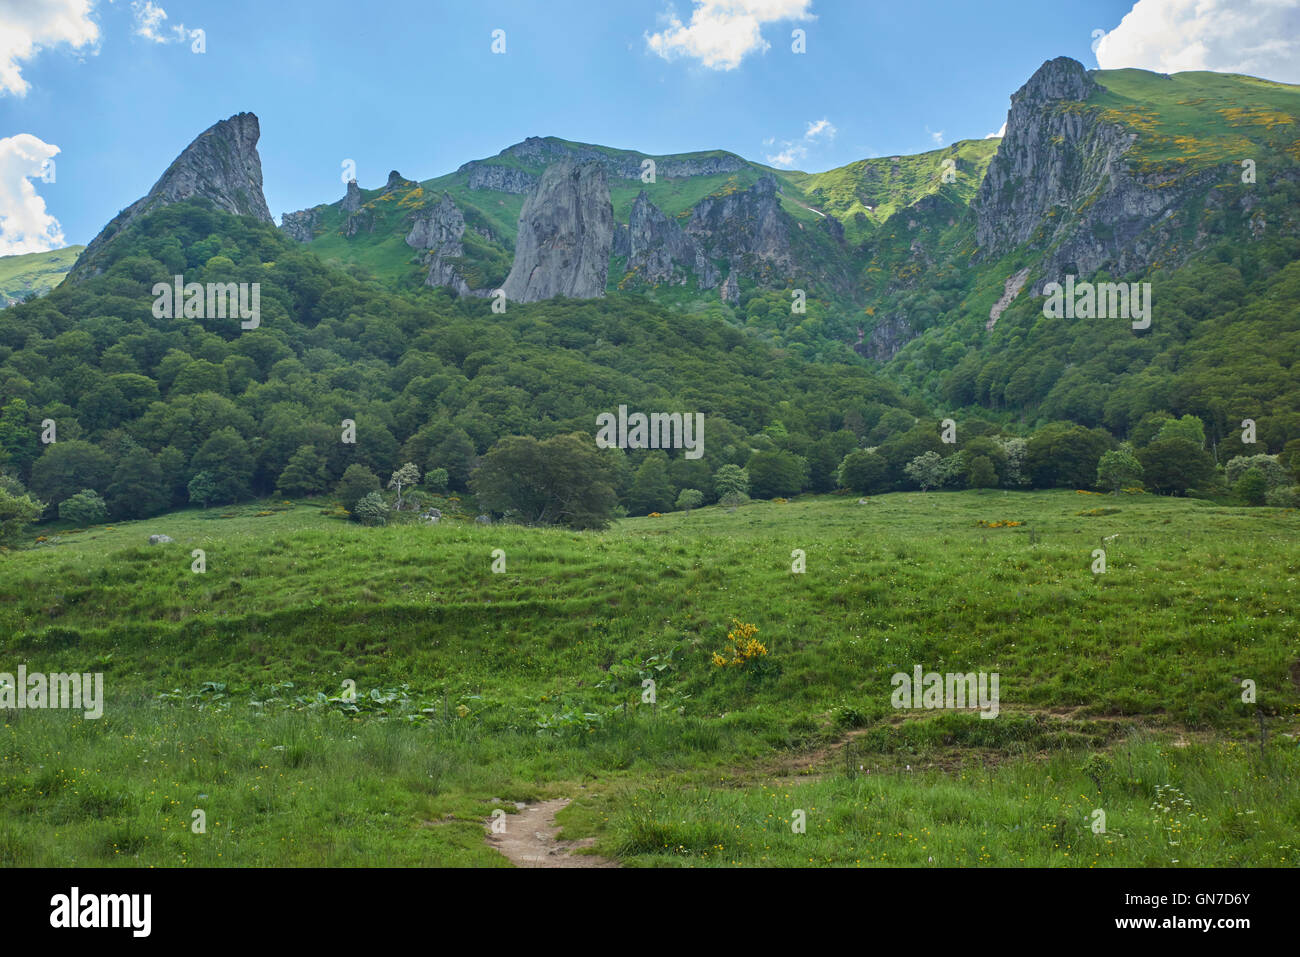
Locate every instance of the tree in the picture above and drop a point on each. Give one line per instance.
(651, 491)
(776, 473)
(559, 481)
(84, 508)
(435, 480)
(138, 489)
(980, 473)
(19, 439)
(731, 482)
(1175, 465)
(357, 482)
(926, 470)
(1119, 468)
(16, 513)
(688, 499)
(1061, 455)
(203, 489)
(68, 467)
(226, 458)
(371, 510)
(864, 471)
(304, 474)
(1252, 487)
(1189, 427)
(407, 476)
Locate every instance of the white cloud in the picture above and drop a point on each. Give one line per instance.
(25, 226)
(791, 151)
(822, 127)
(27, 26)
(149, 23)
(722, 32)
(937, 137)
(1256, 37)
(792, 154)
(1002, 131)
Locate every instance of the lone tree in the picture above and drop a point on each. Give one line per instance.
(408, 475)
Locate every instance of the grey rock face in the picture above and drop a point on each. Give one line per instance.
(503, 179)
(730, 292)
(352, 198)
(659, 251)
(300, 225)
(221, 165)
(1061, 182)
(438, 230)
(566, 232)
(746, 228)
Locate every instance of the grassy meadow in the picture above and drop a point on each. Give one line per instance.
(225, 690)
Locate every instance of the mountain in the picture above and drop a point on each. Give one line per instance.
(34, 274)
(221, 166)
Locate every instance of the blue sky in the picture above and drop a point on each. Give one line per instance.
(415, 86)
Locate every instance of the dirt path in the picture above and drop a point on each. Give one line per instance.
(529, 839)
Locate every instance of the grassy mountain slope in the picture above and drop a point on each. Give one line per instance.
(34, 273)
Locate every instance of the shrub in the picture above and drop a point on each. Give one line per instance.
(84, 508)
(371, 509)
(1286, 496)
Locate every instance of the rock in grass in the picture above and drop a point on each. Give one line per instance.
(159, 539)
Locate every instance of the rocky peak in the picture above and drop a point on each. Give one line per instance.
(396, 180)
(352, 198)
(657, 249)
(566, 230)
(221, 166)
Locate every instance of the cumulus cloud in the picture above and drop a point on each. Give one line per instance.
(26, 27)
(1255, 37)
(25, 226)
(1002, 131)
(936, 136)
(792, 151)
(721, 33)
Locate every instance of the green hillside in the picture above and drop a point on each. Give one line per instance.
(34, 273)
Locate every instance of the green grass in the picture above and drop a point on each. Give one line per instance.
(22, 275)
(528, 684)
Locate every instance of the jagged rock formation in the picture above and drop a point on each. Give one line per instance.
(300, 225)
(352, 198)
(566, 231)
(747, 227)
(438, 230)
(221, 166)
(1061, 182)
(657, 249)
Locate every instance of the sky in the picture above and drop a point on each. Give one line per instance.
(98, 96)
